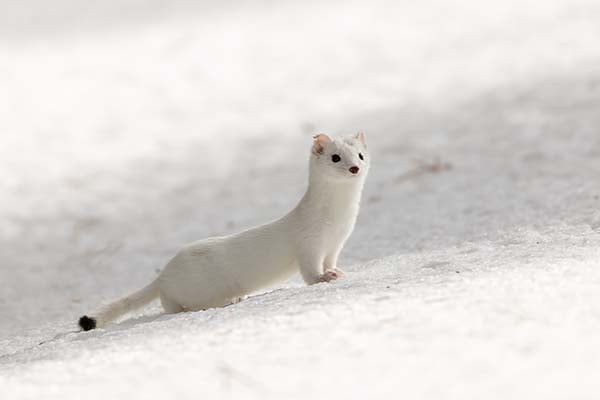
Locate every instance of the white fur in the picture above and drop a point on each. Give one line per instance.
(217, 271)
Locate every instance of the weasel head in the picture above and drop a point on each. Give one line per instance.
(340, 159)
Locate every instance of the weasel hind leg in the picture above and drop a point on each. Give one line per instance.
(169, 305)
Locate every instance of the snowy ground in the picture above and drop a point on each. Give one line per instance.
(473, 272)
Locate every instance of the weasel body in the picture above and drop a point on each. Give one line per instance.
(217, 271)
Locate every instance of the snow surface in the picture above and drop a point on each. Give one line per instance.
(129, 128)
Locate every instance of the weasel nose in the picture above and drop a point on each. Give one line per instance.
(354, 170)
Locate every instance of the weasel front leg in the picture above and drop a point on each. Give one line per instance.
(330, 263)
(311, 269)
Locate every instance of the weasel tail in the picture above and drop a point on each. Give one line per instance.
(114, 310)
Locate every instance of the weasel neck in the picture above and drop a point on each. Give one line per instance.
(325, 194)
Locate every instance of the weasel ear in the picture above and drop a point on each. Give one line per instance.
(319, 144)
(360, 136)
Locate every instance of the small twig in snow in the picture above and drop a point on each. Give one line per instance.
(434, 167)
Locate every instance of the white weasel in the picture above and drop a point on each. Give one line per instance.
(217, 271)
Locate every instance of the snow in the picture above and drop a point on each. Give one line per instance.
(129, 130)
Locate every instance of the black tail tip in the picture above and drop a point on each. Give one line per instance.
(86, 323)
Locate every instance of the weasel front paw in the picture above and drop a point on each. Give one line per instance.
(339, 272)
(330, 275)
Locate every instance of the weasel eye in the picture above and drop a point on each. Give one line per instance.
(360, 156)
(335, 158)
